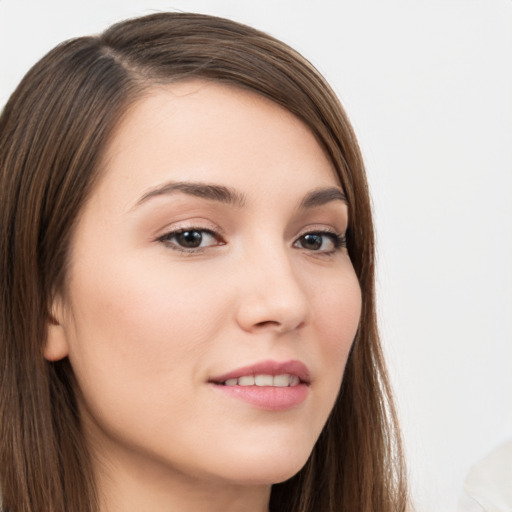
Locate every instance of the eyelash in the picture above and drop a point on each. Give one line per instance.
(338, 240)
(168, 237)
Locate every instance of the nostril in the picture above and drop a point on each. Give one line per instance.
(277, 326)
(267, 323)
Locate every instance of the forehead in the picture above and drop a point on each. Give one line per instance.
(212, 132)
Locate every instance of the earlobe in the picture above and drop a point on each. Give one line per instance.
(56, 346)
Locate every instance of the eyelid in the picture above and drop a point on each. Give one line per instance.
(320, 228)
(198, 223)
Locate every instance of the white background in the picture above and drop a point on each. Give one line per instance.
(428, 86)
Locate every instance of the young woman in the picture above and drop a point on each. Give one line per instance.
(187, 314)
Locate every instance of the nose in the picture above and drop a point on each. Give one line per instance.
(271, 295)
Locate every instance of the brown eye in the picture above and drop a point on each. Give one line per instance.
(325, 242)
(191, 239)
(312, 241)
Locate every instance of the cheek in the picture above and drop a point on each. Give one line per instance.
(338, 311)
(140, 340)
(343, 314)
(134, 328)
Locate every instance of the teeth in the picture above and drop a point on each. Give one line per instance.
(279, 381)
(264, 380)
(294, 380)
(246, 380)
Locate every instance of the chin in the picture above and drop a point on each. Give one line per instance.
(266, 454)
(266, 468)
(265, 476)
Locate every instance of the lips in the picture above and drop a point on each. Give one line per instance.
(262, 370)
(269, 385)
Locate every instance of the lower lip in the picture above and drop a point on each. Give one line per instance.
(269, 398)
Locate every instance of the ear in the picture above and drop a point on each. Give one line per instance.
(56, 346)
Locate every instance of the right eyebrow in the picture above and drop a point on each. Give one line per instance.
(219, 193)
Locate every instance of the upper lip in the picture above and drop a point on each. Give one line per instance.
(267, 368)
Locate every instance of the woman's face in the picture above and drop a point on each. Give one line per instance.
(210, 303)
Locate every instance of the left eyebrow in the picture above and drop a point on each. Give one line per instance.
(321, 196)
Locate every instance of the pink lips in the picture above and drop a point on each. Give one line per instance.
(269, 398)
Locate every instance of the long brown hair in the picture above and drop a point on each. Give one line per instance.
(52, 134)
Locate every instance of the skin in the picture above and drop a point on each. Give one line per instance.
(146, 325)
